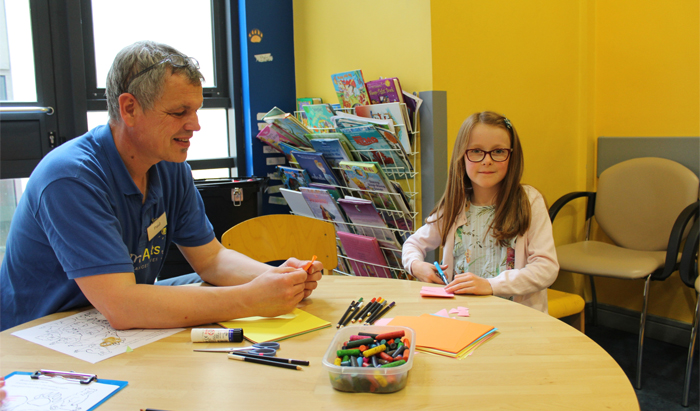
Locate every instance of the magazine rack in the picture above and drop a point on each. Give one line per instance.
(387, 203)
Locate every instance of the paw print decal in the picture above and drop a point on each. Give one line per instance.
(255, 36)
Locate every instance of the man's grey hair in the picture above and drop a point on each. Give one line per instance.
(147, 87)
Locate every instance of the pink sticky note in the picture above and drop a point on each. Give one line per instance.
(442, 313)
(435, 292)
(460, 311)
(382, 321)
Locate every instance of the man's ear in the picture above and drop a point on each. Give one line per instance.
(128, 107)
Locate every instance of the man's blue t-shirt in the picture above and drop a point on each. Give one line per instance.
(82, 214)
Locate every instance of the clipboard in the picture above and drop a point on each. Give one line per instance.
(86, 388)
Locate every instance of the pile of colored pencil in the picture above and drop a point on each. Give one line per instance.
(366, 315)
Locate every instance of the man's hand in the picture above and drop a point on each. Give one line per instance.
(426, 272)
(278, 290)
(468, 283)
(314, 274)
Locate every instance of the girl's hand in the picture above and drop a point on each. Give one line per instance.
(3, 393)
(468, 283)
(426, 272)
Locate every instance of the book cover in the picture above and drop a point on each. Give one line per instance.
(368, 222)
(371, 183)
(319, 116)
(332, 150)
(380, 146)
(289, 123)
(295, 201)
(366, 257)
(413, 104)
(332, 190)
(347, 120)
(317, 167)
(395, 112)
(350, 88)
(287, 150)
(385, 90)
(393, 259)
(324, 207)
(272, 136)
(293, 178)
(343, 140)
(264, 329)
(305, 101)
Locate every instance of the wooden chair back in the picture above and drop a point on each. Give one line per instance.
(281, 236)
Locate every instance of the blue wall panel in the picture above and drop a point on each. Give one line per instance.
(268, 77)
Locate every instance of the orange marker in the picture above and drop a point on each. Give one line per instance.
(308, 265)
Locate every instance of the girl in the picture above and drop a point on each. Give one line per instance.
(495, 233)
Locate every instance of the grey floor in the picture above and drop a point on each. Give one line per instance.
(663, 368)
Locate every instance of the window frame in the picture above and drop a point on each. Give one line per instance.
(214, 97)
(16, 161)
(64, 49)
(226, 72)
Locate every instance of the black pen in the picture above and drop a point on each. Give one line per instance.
(379, 314)
(370, 308)
(275, 359)
(264, 362)
(340, 322)
(375, 310)
(363, 311)
(347, 319)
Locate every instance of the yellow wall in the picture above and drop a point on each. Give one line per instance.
(533, 62)
(564, 72)
(648, 68)
(383, 38)
(648, 84)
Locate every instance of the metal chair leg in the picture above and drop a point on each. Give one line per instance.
(642, 326)
(691, 351)
(594, 302)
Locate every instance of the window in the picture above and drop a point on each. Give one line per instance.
(23, 134)
(201, 40)
(18, 81)
(75, 41)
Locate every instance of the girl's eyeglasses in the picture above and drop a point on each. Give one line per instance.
(498, 155)
(175, 60)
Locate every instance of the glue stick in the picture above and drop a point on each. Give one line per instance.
(216, 335)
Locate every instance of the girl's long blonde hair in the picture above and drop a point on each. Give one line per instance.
(512, 205)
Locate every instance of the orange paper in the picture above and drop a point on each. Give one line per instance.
(445, 334)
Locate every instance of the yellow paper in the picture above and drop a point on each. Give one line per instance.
(262, 329)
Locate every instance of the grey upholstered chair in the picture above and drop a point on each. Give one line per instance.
(643, 205)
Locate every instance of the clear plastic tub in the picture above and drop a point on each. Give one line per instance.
(367, 379)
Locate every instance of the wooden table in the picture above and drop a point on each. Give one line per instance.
(536, 362)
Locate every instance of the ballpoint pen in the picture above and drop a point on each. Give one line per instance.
(440, 273)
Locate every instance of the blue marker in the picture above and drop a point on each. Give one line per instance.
(440, 273)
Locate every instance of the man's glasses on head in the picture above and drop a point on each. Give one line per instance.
(175, 60)
(498, 155)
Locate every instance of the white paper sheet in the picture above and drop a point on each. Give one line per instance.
(89, 337)
(25, 394)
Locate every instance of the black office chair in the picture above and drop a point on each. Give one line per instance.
(689, 274)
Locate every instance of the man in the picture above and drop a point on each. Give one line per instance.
(100, 211)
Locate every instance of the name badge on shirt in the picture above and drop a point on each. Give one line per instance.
(157, 225)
